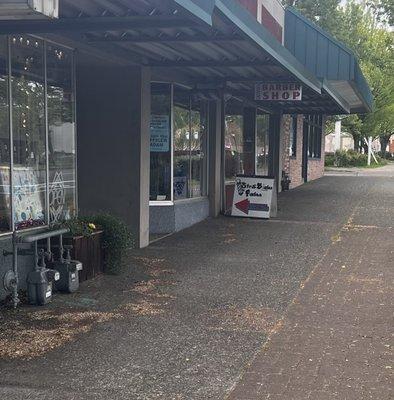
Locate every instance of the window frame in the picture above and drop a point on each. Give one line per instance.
(315, 132)
(172, 201)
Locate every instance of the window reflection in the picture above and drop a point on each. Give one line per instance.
(182, 144)
(160, 142)
(198, 147)
(234, 144)
(29, 144)
(262, 140)
(5, 154)
(61, 134)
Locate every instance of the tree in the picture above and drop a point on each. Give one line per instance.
(323, 12)
(373, 44)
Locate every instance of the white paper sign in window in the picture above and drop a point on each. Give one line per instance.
(160, 133)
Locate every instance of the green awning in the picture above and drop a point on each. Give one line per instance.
(328, 59)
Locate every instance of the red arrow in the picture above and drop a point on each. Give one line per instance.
(243, 206)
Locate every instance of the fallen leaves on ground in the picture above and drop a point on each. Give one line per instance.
(255, 319)
(27, 333)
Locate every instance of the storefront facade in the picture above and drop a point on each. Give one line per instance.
(158, 102)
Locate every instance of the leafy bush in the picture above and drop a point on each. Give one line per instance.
(350, 158)
(117, 238)
(386, 155)
(80, 227)
(329, 160)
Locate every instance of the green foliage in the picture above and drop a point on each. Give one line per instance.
(79, 227)
(117, 238)
(322, 12)
(362, 26)
(350, 158)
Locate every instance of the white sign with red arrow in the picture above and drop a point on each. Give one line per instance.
(253, 196)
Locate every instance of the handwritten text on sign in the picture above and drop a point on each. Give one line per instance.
(278, 91)
(159, 133)
(252, 196)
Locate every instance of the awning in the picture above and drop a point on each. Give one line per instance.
(328, 59)
(205, 44)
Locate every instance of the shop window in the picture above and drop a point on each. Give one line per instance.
(198, 147)
(182, 144)
(160, 142)
(190, 142)
(61, 133)
(5, 153)
(293, 137)
(234, 144)
(314, 135)
(29, 132)
(189, 134)
(262, 141)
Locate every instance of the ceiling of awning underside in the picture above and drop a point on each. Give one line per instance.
(178, 46)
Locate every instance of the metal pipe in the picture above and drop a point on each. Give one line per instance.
(61, 249)
(36, 265)
(44, 235)
(48, 185)
(15, 297)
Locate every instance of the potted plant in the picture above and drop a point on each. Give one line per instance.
(99, 242)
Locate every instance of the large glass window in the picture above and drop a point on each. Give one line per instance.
(189, 159)
(42, 110)
(29, 134)
(198, 147)
(5, 153)
(61, 134)
(262, 144)
(234, 143)
(160, 142)
(182, 143)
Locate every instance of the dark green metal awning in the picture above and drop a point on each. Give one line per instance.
(204, 44)
(328, 59)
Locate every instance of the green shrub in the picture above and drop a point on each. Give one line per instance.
(79, 227)
(350, 158)
(117, 238)
(329, 160)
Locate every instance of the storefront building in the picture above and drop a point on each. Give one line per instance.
(148, 110)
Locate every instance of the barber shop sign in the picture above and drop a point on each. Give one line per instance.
(278, 91)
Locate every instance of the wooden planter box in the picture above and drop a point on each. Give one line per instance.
(89, 251)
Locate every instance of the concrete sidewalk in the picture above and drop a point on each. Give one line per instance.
(230, 308)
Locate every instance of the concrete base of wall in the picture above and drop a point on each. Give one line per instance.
(180, 215)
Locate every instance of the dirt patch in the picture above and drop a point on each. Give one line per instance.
(155, 267)
(32, 334)
(26, 333)
(249, 319)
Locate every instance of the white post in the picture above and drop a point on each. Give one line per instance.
(337, 139)
(369, 149)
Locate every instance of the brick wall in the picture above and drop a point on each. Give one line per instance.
(293, 165)
(391, 145)
(296, 162)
